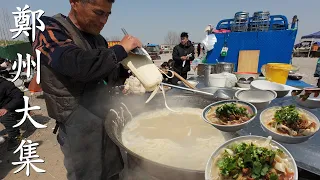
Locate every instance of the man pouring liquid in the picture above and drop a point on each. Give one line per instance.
(75, 61)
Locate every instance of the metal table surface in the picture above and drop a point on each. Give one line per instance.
(306, 154)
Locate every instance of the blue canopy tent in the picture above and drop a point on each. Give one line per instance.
(312, 36)
(315, 35)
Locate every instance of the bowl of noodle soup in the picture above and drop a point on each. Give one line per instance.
(289, 124)
(251, 157)
(229, 115)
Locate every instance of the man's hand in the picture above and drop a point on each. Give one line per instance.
(183, 58)
(307, 93)
(3, 112)
(129, 43)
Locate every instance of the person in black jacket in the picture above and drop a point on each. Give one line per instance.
(76, 63)
(182, 55)
(198, 49)
(11, 99)
(317, 72)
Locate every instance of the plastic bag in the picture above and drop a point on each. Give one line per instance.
(209, 42)
(133, 86)
(231, 79)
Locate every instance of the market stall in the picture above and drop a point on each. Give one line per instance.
(153, 160)
(185, 132)
(305, 154)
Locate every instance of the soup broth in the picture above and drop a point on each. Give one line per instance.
(181, 139)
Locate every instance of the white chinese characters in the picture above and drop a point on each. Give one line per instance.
(28, 156)
(26, 22)
(27, 115)
(22, 21)
(27, 64)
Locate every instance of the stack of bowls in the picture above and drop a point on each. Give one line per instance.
(245, 78)
(280, 89)
(259, 98)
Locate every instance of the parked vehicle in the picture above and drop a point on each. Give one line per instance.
(166, 48)
(154, 51)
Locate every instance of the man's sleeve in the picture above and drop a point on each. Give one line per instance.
(175, 54)
(15, 94)
(192, 56)
(60, 52)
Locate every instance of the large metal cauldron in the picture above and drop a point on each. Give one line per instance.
(138, 166)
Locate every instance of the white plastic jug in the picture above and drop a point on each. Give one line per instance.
(144, 69)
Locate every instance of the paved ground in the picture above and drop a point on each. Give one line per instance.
(49, 148)
(307, 68)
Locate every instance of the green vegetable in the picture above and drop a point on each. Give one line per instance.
(227, 165)
(279, 151)
(287, 115)
(229, 109)
(240, 162)
(265, 170)
(255, 161)
(257, 168)
(274, 176)
(235, 176)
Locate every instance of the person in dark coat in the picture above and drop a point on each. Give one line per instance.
(182, 55)
(11, 99)
(76, 63)
(317, 72)
(198, 49)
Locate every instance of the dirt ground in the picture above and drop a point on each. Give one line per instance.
(49, 149)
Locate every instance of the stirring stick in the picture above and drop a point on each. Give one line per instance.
(182, 79)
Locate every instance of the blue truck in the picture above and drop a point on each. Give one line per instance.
(275, 42)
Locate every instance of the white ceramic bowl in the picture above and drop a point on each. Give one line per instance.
(243, 85)
(208, 171)
(217, 80)
(259, 98)
(312, 102)
(280, 89)
(286, 138)
(229, 128)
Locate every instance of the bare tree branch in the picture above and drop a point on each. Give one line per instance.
(172, 38)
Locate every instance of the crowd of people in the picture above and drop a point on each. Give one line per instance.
(11, 99)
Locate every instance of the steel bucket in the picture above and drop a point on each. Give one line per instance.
(224, 67)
